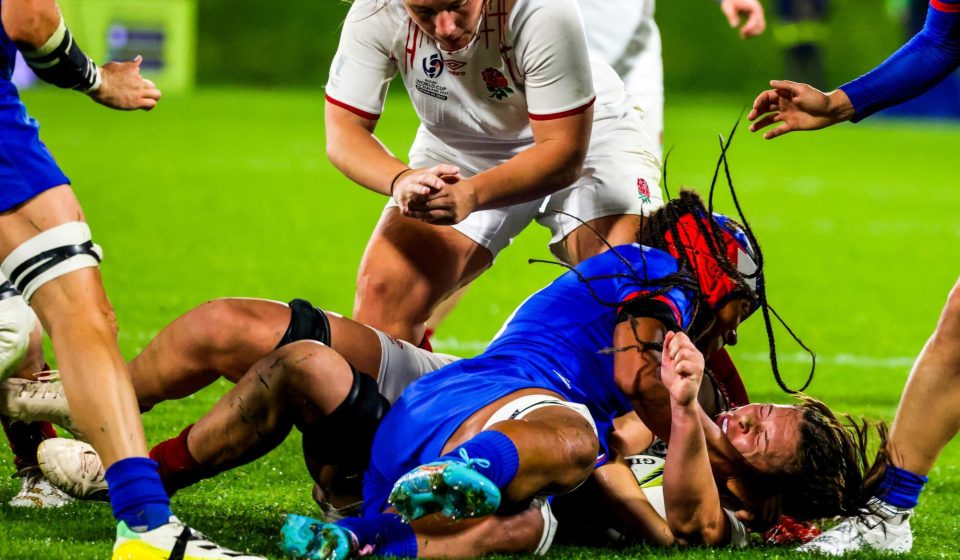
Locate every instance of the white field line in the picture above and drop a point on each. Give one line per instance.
(456, 346)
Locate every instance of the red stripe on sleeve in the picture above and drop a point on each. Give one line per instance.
(569, 113)
(949, 7)
(352, 109)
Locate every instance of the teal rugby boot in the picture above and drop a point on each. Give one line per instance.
(304, 537)
(449, 487)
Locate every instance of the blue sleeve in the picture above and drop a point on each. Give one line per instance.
(919, 65)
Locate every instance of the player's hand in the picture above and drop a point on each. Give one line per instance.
(755, 23)
(681, 368)
(798, 107)
(414, 188)
(447, 206)
(122, 87)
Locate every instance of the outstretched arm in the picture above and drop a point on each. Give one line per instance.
(38, 30)
(918, 66)
(691, 497)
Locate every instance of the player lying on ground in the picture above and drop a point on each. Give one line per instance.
(281, 400)
(534, 413)
(933, 388)
(293, 385)
(226, 338)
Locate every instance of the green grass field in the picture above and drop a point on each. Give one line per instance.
(228, 193)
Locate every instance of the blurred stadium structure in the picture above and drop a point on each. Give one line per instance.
(290, 44)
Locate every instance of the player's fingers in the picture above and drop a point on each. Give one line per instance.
(138, 60)
(762, 103)
(667, 339)
(147, 103)
(431, 181)
(766, 121)
(779, 131)
(152, 93)
(786, 88)
(755, 25)
(744, 515)
(730, 10)
(149, 84)
(444, 169)
(437, 217)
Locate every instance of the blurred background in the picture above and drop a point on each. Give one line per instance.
(196, 43)
(225, 190)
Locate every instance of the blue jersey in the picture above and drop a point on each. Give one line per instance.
(556, 340)
(922, 63)
(26, 166)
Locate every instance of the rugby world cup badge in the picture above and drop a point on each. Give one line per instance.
(433, 65)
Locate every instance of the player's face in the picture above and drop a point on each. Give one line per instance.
(453, 23)
(767, 435)
(724, 330)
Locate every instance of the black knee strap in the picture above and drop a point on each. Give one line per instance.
(345, 437)
(306, 323)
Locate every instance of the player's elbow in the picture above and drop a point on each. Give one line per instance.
(695, 529)
(30, 29)
(571, 168)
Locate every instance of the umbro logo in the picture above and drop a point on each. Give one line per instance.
(455, 67)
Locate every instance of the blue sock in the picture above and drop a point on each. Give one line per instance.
(900, 488)
(502, 458)
(386, 532)
(137, 495)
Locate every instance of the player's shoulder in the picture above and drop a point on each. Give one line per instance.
(373, 13)
(642, 260)
(521, 11)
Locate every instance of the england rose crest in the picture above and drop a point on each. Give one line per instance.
(643, 190)
(496, 82)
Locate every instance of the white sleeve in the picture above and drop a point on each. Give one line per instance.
(363, 67)
(551, 54)
(739, 536)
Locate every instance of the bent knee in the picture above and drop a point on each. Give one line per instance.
(579, 447)
(305, 362)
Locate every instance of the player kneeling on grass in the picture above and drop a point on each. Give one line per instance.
(533, 415)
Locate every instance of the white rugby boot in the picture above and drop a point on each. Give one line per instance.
(37, 400)
(880, 526)
(74, 467)
(37, 492)
(173, 541)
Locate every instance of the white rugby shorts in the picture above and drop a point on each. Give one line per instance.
(620, 176)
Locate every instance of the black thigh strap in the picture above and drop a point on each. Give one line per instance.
(306, 323)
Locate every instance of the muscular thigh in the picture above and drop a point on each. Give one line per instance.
(604, 207)
(408, 268)
(48, 209)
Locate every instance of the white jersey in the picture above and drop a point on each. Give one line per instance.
(528, 61)
(624, 35)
